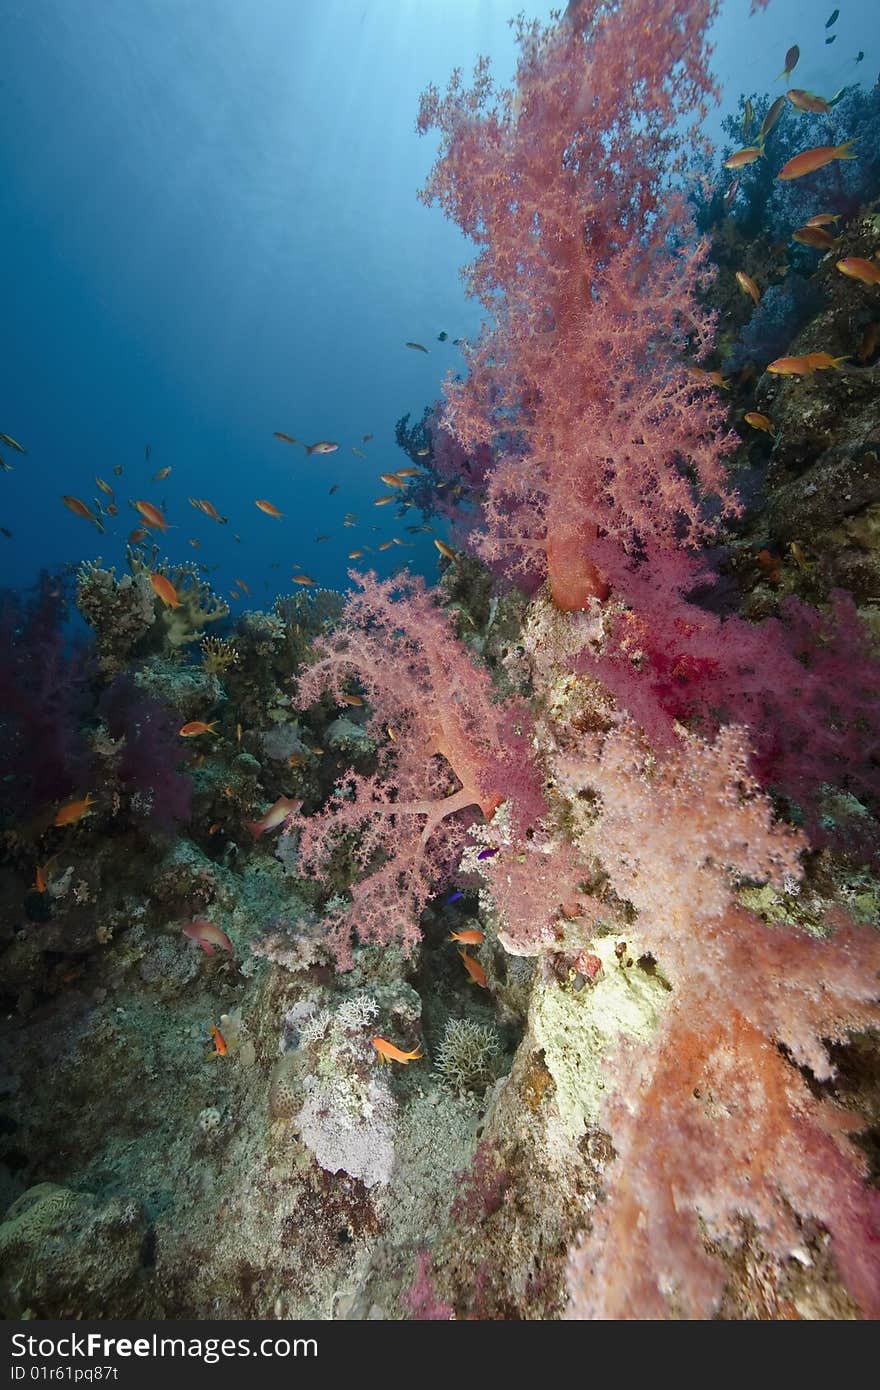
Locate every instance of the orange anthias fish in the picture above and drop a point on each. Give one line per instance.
(220, 1048)
(391, 480)
(791, 61)
(198, 726)
(276, 815)
(857, 268)
(74, 811)
(470, 936)
(759, 421)
(822, 219)
(389, 1053)
(203, 505)
(817, 237)
(139, 534)
(267, 507)
(353, 700)
(743, 157)
(807, 101)
(162, 474)
(151, 515)
(383, 501)
(804, 366)
(40, 879)
(285, 438)
(208, 936)
(166, 590)
(808, 161)
(474, 969)
(444, 549)
(105, 487)
(408, 472)
(80, 509)
(701, 374)
(241, 584)
(769, 121)
(301, 579)
(748, 286)
(386, 545)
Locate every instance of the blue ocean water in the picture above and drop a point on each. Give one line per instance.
(210, 232)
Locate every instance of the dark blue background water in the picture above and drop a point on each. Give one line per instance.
(210, 231)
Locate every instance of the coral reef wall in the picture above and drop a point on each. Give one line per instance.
(506, 948)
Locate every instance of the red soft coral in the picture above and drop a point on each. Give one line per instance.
(446, 747)
(714, 1125)
(804, 684)
(591, 272)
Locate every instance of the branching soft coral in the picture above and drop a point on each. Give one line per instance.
(714, 1126)
(804, 684)
(591, 272)
(445, 748)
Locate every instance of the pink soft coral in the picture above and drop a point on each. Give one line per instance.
(446, 749)
(804, 684)
(591, 272)
(714, 1125)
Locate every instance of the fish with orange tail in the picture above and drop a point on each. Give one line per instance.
(207, 936)
(389, 1053)
(816, 237)
(469, 936)
(741, 158)
(276, 815)
(748, 286)
(758, 421)
(769, 121)
(151, 515)
(73, 811)
(220, 1048)
(803, 100)
(196, 727)
(857, 268)
(268, 507)
(822, 219)
(806, 365)
(808, 161)
(165, 590)
(474, 969)
(791, 62)
(702, 375)
(80, 509)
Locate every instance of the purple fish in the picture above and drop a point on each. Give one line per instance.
(454, 899)
(487, 853)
